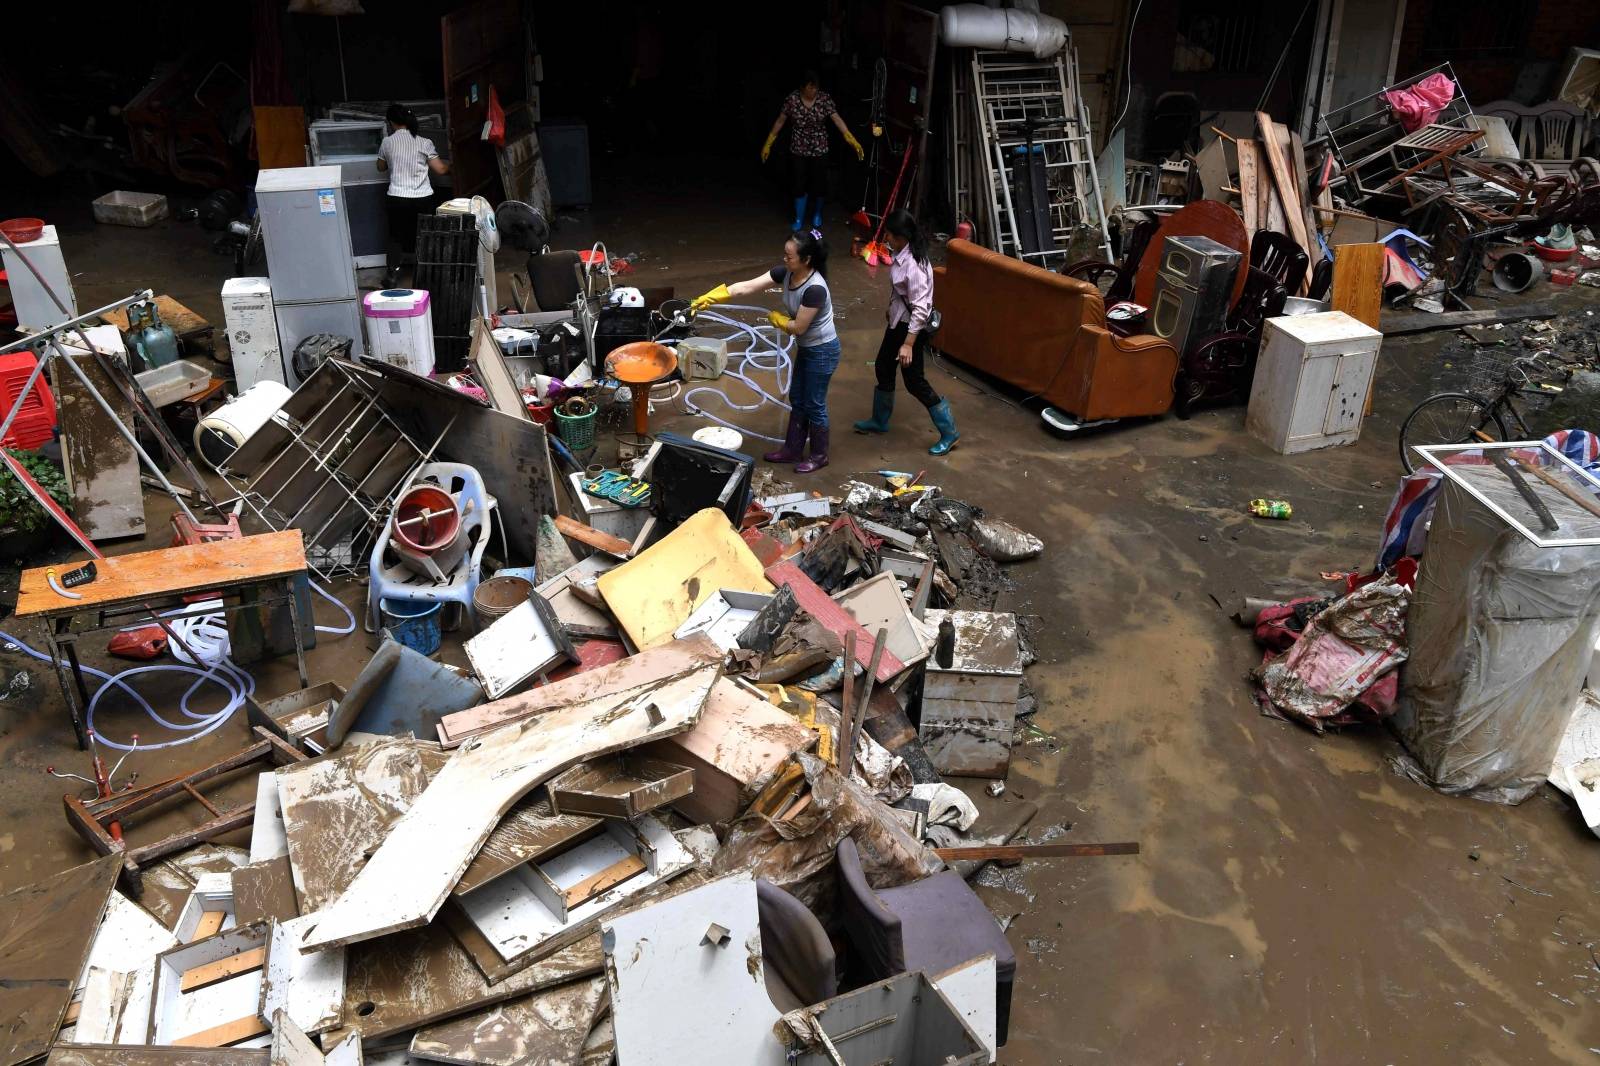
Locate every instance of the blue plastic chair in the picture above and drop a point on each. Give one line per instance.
(390, 579)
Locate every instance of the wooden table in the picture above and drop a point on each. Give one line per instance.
(138, 585)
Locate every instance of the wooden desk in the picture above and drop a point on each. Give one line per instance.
(132, 586)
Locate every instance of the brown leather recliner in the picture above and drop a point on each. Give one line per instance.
(1045, 333)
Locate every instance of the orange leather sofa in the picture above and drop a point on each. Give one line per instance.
(1045, 333)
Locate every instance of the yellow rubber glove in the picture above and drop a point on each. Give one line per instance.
(718, 295)
(766, 149)
(779, 320)
(850, 139)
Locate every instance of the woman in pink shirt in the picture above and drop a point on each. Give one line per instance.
(905, 342)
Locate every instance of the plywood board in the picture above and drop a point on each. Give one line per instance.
(122, 1055)
(408, 980)
(307, 986)
(46, 931)
(264, 891)
(546, 1028)
(600, 1049)
(531, 829)
(171, 572)
(219, 970)
(678, 995)
(1358, 282)
(101, 467)
(106, 1002)
(182, 320)
(653, 594)
(212, 1015)
(290, 1044)
(668, 661)
(129, 937)
(353, 797)
(970, 988)
(877, 604)
(739, 743)
(406, 881)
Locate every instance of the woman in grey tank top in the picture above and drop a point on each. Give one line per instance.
(808, 316)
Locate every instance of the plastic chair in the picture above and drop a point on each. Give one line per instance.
(391, 580)
(929, 925)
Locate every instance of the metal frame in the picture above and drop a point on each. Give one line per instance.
(1436, 456)
(1010, 90)
(321, 450)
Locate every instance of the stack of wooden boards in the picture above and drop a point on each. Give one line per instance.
(1272, 181)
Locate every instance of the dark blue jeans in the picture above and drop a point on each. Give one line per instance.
(808, 389)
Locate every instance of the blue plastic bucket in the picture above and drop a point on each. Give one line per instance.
(416, 625)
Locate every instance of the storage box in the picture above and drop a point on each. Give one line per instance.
(123, 208)
(177, 380)
(1311, 383)
(608, 516)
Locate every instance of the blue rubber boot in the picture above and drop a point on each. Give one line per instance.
(945, 423)
(816, 213)
(882, 408)
(799, 214)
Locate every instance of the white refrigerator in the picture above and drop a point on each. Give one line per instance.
(305, 227)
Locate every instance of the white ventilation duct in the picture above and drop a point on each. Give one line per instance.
(1001, 29)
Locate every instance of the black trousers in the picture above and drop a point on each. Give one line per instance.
(403, 212)
(889, 360)
(808, 176)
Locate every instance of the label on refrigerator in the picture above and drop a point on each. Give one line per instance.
(325, 202)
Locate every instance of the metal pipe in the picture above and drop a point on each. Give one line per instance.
(44, 334)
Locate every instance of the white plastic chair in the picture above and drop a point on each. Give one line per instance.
(390, 579)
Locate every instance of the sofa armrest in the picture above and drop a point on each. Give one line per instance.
(1108, 376)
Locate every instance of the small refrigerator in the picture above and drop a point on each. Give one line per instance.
(310, 264)
(352, 146)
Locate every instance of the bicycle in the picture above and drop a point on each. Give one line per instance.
(1477, 412)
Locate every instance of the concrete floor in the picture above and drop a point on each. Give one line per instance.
(1296, 900)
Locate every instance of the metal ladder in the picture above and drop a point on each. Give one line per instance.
(1030, 105)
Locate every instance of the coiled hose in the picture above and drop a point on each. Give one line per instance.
(214, 667)
(761, 351)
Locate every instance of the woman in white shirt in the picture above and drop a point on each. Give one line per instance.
(408, 160)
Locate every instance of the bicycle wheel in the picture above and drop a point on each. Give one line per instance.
(1448, 418)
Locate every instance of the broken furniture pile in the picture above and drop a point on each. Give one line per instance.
(708, 826)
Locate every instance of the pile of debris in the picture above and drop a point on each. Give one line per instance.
(694, 818)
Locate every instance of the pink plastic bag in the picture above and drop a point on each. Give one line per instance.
(1421, 103)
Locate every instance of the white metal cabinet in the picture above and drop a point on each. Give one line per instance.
(1311, 383)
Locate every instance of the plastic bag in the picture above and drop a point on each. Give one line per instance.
(494, 126)
(1419, 105)
(1004, 542)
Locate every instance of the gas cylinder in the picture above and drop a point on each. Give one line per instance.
(151, 338)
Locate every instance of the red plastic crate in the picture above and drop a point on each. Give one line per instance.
(36, 422)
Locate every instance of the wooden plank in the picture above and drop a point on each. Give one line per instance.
(128, 579)
(1358, 287)
(623, 786)
(46, 931)
(1005, 852)
(596, 883)
(210, 924)
(124, 1055)
(406, 881)
(658, 664)
(831, 616)
(354, 797)
(594, 538)
(222, 969)
(290, 1044)
(1402, 323)
(1283, 181)
(224, 1034)
(1249, 185)
(541, 1029)
(1297, 157)
(1267, 201)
